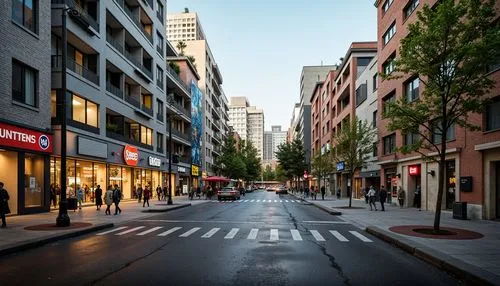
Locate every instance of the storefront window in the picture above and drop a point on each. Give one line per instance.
(73, 180)
(126, 183)
(115, 176)
(85, 172)
(33, 180)
(450, 184)
(100, 176)
(8, 159)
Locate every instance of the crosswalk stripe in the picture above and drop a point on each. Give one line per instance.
(245, 201)
(174, 229)
(252, 201)
(275, 201)
(317, 235)
(339, 236)
(257, 200)
(281, 201)
(211, 232)
(130, 230)
(113, 230)
(240, 201)
(286, 201)
(274, 234)
(297, 201)
(360, 236)
(253, 233)
(296, 234)
(270, 201)
(150, 230)
(232, 233)
(189, 232)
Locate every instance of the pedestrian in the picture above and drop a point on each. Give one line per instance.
(365, 193)
(98, 197)
(371, 196)
(338, 194)
(198, 192)
(53, 196)
(323, 191)
(164, 192)
(417, 197)
(315, 191)
(383, 197)
(139, 193)
(117, 196)
(79, 196)
(401, 197)
(158, 192)
(108, 199)
(4, 204)
(147, 195)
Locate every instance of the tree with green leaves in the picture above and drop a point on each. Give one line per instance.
(181, 46)
(231, 163)
(292, 159)
(353, 146)
(251, 159)
(192, 59)
(268, 174)
(322, 165)
(449, 49)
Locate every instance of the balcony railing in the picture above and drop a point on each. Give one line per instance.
(159, 16)
(147, 71)
(76, 68)
(182, 109)
(133, 101)
(185, 160)
(83, 13)
(136, 21)
(159, 49)
(182, 135)
(147, 110)
(114, 90)
(120, 137)
(114, 43)
(150, 3)
(187, 89)
(131, 58)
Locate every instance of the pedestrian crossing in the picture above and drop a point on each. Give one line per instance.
(257, 201)
(272, 234)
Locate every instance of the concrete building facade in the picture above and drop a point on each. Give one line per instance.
(238, 115)
(256, 129)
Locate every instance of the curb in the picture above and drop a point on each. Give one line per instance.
(10, 249)
(164, 210)
(323, 208)
(471, 274)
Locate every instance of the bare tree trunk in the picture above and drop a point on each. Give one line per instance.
(441, 178)
(349, 191)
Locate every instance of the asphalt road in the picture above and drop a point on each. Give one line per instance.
(281, 241)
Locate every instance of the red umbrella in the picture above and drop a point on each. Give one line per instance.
(217, 179)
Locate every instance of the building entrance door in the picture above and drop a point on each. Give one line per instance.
(497, 175)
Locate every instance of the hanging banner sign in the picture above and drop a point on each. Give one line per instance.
(130, 155)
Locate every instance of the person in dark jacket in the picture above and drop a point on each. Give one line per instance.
(323, 191)
(53, 196)
(117, 197)
(383, 197)
(147, 195)
(98, 197)
(4, 204)
(158, 192)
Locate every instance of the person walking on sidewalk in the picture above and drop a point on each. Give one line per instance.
(147, 195)
(79, 196)
(108, 199)
(53, 196)
(323, 191)
(401, 197)
(158, 192)
(139, 193)
(371, 198)
(338, 194)
(117, 196)
(417, 197)
(164, 192)
(98, 197)
(4, 204)
(383, 197)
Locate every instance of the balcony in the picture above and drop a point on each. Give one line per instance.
(114, 43)
(84, 72)
(181, 109)
(120, 137)
(134, 19)
(178, 80)
(149, 2)
(147, 110)
(133, 101)
(138, 65)
(84, 17)
(159, 49)
(114, 90)
(185, 160)
(181, 135)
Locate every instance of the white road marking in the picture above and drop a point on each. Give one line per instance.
(232, 233)
(270, 201)
(338, 236)
(113, 230)
(240, 201)
(189, 232)
(324, 222)
(169, 231)
(296, 234)
(360, 236)
(245, 201)
(274, 234)
(211, 232)
(130, 230)
(297, 201)
(281, 201)
(317, 235)
(252, 201)
(253, 233)
(275, 201)
(257, 201)
(286, 201)
(150, 230)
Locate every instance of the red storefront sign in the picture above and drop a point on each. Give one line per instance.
(413, 170)
(24, 138)
(130, 155)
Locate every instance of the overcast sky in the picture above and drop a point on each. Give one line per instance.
(261, 45)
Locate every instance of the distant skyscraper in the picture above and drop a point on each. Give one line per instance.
(256, 128)
(272, 139)
(268, 146)
(248, 121)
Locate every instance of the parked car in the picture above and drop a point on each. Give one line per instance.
(282, 190)
(271, 188)
(228, 193)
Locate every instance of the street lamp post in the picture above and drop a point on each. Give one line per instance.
(169, 118)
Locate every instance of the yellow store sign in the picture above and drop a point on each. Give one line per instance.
(195, 170)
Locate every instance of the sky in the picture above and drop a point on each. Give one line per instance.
(261, 46)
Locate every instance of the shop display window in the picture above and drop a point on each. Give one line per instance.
(33, 180)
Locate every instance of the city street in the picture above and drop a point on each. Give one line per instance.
(263, 239)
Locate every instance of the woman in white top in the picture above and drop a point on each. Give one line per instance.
(371, 196)
(108, 199)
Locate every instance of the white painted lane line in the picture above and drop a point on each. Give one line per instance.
(257, 201)
(189, 232)
(296, 234)
(174, 229)
(150, 230)
(252, 201)
(245, 201)
(211, 232)
(324, 222)
(240, 201)
(338, 236)
(130, 230)
(286, 201)
(360, 236)
(113, 230)
(281, 201)
(275, 201)
(253, 233)
(274, 234)
(317, 235)
(270, 201)
(232, 233)
(297, 201)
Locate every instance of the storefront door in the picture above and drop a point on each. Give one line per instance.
(450, 184)
(497, 175)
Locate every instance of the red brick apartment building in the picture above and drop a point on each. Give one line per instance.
(471, 156)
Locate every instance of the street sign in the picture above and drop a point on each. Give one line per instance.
(340, 166)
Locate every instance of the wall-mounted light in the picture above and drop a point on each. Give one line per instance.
(432, 173)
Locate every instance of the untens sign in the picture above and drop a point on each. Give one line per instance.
(130, 155)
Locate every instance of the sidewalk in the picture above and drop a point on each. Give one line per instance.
(16, 238)
(469, 258)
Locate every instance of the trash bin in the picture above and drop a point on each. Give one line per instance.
(460, 210)
(72, 204)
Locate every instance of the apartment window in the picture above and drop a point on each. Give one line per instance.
(374, 120)
(410, 7)
(386, 5)
(24, 84)
(437, 133)
(375, 149)
(84, 111)
(25, 13)
(390, 98)
(411, 138)
(159, 10)
(53, 103)
(411, 89)
(159, 44)
(493, 115)
(159, 114)
(389, 65)
(361, 94)
(391, 31)
(159, 142)
(146, 135)
(159, 77)
(389, 144)
(375, 82)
